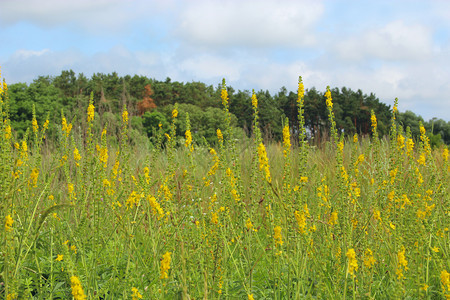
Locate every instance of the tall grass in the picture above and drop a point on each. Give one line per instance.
(353, 218)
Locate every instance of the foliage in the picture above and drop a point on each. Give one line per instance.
(93, 216)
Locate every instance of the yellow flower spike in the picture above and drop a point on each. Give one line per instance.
(59, 257)
(300, 90)
(278, 236)
(174, 113)
(90, 113)
(135, 294)
(77, 289)
(165, 265)
(8, 223)
(352, 261)
(224, 93)
(125, 117)
(254, 100)
(329, 100)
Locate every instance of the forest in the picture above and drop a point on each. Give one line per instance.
(150, 103)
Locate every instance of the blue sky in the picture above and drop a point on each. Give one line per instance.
(395, 48)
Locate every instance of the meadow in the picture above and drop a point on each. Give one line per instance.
(96, 217)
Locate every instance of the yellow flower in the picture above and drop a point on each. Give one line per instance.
(34, 176)
(77, 289)
(35, 125)
(90, 112)
(373, 119)
(188, 136)
(333, 218)
(174, 113)
(301, 221)
(8, 132)
(254, 101)
(165, 265)
(286, 140)
(352, 262)
(250, 297)
(219, 135)
(445, 281)
(59, 257)
(277, 236)
(70, 188)
(125, 117)
(422, 159)
(402, 264)
(136, 295)
(249, 224)
(377, 215)
(8, 223)
(224, 94)
(369, 260)
(355, 138)
(76, 155)
(300, 90)
(400, 141)
(445, 154)
(328, 96)
(264, 161)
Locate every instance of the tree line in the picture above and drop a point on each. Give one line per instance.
(150, 101)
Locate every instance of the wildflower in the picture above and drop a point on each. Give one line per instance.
(165, 265)
(90, 113)
(254, 101)
(303, 179)
(422, 159)
(8, 223)
(45, 126)
(59, 257)
(355, 138)
(156, 208)
(286, 140)
(77, 289)
(301, 221)
(174, 113)
(445, 154)
(409, 146)
(333, 218)
(250, 297)
(76, 155)
(103, 155)
(377, 215)
(445, 281)
(352, 262)
(264, 161)
(300, 90)
(34, 176)
(402, 264)
(400, 141)
(70, 188)
(277, 236)
(369, 260)
(66, 128)
(35, 125)
(136, 295)
(329, 101)
(214, 218)
(249, 224)
(125, 117)
(219, 135)
(373, 119)
(424, 287)
(224, 94)
(188, 136)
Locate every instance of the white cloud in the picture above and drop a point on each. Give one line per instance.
(253, 23)
(394, 41)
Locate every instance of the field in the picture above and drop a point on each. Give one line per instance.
(93, 217)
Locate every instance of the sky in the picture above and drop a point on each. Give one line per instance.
(392, 48)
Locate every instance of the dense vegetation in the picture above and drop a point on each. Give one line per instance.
(94, 216)
(150, 103)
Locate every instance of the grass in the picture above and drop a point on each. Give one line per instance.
(352, 218)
